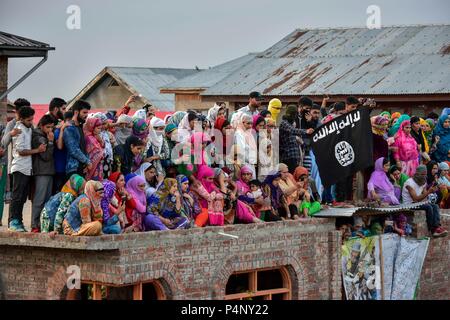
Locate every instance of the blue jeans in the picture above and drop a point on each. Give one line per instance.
(433, 216)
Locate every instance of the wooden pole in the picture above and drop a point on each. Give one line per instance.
(381, 267)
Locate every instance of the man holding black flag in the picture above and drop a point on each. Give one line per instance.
(349, 140)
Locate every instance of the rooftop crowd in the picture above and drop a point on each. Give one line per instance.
(89, 174)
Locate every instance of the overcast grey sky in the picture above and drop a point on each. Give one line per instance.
(171, 33)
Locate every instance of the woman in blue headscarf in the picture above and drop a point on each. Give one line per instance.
(442, 130)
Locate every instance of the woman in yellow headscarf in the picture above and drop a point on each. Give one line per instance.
(275, 108)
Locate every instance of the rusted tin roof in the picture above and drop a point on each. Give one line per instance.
(357, 61)
(209, 77)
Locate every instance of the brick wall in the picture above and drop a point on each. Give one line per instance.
(197, 263)
(194, 264)
(435, 278)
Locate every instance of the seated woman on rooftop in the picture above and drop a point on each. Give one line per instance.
(379, 187)
(164, 208)
(85, 215)
(209, 195)
(52, 215)
(244, 210)
(309, 195)
(111, 209)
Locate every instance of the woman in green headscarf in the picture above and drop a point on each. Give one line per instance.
(386, 114)
(393, 130)
(52, 215)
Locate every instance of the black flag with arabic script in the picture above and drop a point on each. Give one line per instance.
(343, 146)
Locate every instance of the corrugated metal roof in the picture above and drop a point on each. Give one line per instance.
(148, 81)
(210, 77)
(391, 60)
(348, 212)
(10, 40)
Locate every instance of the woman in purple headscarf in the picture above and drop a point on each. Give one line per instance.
(379, 186)
(110, 208)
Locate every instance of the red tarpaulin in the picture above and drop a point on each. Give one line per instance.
(41, 109)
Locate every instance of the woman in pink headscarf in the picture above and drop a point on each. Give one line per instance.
(406, 153)
(244, 210)
(211, 198)
(95, 147)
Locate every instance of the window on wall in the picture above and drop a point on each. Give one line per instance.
(152, 290)
(260, 284)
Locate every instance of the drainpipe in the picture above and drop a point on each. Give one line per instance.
(26, 75)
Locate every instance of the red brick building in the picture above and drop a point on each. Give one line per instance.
(296, 260)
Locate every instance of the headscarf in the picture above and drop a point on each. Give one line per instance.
(140, 114)
(219, 125)
(124, 118)
(176, 118)
(300, 171)
(206, 172)
(419, 179)
(274, 108)
(377, 126)
(257, 119)
(443, 166)
(133, 189)
(384, 113)
(163, 193)
(213, 112)
(122, 134)
(100, 115)
(419, 136)
(407, 144)
(397, 125)
(90, 125)
(91, 193)
(443, 146)
(143, 168)
(240, 183)
(156, 139)
(395, 115)
(275, 192)
(428, 134)
(110, 189)
(169, 128)
(114, 176)
(129, 176)
(380, 180)
(140, 128)
(73, 185)
(445, 112)
(166, 118)
(184, 123)
(291, 114)
(187, 207)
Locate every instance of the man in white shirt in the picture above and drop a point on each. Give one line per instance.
(254, 104)
(21, 167)
(415, 190)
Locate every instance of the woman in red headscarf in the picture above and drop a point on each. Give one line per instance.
(94, 148)
(211, 198)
